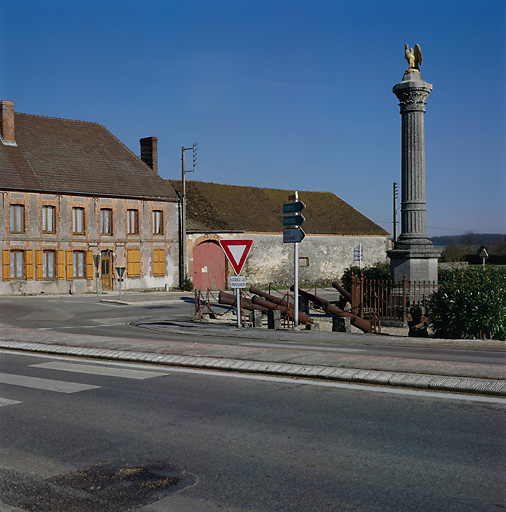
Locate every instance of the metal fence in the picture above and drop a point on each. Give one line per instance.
(386, 300)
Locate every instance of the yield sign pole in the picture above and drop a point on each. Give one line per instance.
(236, 252)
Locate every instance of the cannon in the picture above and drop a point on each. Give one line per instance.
(363, 325)
(344, 293)
(287, 312)
(229, 300)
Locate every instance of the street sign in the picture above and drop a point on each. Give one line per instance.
(293, 235)
(293, 220)
(120, 271)
(236, 252)
(237, 281)
(295, 207)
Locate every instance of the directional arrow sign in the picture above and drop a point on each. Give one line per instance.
(293, 220)
(293, 235)
(295, 207)
(236, 252)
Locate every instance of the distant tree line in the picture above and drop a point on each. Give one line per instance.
(469, 246)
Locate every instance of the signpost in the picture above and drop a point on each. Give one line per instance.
(237, 252)
(484, 255)
(293, 234)
(120, 271)
(358, 255)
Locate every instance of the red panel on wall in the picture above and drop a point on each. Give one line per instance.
(208, 267)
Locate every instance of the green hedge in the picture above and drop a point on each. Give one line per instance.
(377, 271)
(470, 304)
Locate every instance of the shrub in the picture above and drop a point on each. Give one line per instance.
(470, 303)
(377, 271)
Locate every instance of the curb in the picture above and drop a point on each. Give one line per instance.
(384, 378)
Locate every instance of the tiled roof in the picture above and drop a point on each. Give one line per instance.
(213, 206)
(75, 157)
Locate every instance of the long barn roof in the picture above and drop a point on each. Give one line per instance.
(212, 206)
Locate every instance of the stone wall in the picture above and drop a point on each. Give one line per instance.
(322, 258)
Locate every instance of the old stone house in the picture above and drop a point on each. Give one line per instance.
(333, 230)
(76, 204)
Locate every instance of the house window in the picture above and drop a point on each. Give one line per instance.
(158, 262)
(78, 264)
(132, 222)
(133, 263)
(106, 221)
(17, 265)
(78, 221)
(48, 269)
(157, 222)
(48, 219)
(17, 218)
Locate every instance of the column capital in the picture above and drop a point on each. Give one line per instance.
(412, 92)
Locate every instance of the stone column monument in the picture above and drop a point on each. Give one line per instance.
(413, 255)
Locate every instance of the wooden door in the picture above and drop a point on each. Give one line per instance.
(106, 269)
(209, 267)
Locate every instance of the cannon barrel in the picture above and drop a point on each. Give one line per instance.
(363, 325)
(303, 317)
(270, 298)
(229, 300)
(342, 291)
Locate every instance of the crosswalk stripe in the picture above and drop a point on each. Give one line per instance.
(6, 401)
(46, 384)
(99, 370)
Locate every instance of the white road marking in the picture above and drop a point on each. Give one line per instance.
(303, 347)
(81, 326)
(6, 401)
(440, 395)
(99, 370)
(46, 384)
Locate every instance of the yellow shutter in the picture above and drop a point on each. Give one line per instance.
(60, 264)
(38, 265)
(89, 264)
(70, 265)
(6, 265)
(158, 262)
(29, 264)
(133, 263)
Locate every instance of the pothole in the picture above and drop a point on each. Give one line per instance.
(111, 486)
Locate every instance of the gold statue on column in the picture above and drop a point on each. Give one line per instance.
(414, 57)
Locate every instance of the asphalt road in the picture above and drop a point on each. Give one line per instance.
(78, 435)
(87, 315)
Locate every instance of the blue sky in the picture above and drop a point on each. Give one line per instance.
(293, 94)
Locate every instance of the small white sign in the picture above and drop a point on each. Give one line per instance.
(237, 281)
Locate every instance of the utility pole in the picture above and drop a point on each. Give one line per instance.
(395, 213)
(183, 256)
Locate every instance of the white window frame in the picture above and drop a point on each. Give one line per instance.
(77, 220)
(17, 218)
(48, 219)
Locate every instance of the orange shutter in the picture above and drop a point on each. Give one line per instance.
(133, 263)
(60, 264)
(70, 265)
(89, 264)
(6, 265)
(29, 264)
(38, 265)
(158, 262)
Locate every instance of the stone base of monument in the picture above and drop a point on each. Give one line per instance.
(416, 263)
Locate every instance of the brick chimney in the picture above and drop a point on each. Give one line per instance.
(149, 152)
(7, 122)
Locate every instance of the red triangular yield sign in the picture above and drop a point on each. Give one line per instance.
(236, 252)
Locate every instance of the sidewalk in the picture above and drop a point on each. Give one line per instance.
(286, 353)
